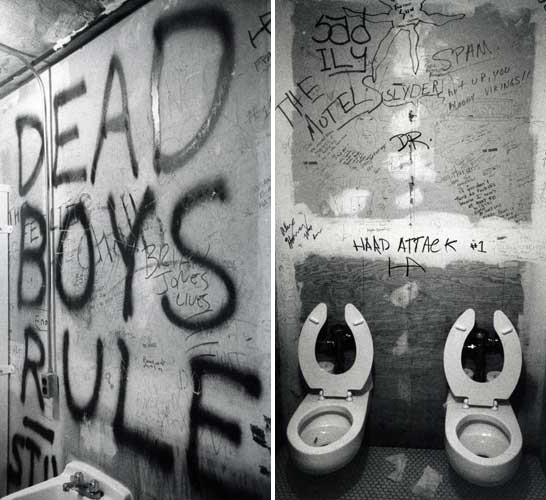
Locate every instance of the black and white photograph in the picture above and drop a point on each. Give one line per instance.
(410, 152)
(135, 256)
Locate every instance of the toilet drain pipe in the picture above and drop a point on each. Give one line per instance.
(50, 295)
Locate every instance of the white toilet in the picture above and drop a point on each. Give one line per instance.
(482, 435)
(326, 430)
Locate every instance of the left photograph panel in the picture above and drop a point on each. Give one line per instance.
(135, 213)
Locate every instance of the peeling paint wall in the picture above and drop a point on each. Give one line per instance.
(409, 180)
(161, 225)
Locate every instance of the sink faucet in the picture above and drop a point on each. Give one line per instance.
(87, 489)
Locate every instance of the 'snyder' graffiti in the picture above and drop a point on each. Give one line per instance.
(83, 407)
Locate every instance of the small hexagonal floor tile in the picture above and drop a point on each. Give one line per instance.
(366, 478)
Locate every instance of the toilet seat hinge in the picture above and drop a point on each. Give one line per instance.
(466, 404)
(321, 395)
(349, 396)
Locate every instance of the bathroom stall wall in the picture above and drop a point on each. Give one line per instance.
(4, 331)
(410, 182)
(161, 224)
(34, 438)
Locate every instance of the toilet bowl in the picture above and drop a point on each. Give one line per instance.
(326, 430)
(482, 435)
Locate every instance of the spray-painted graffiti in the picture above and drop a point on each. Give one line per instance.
(156, 451)
(32, 255)
(71, 134)
(119, 123)
(20, 443)
(91, 250)
(208, 18)
(215, 190)
(75, 213)
(139, 234)
(200, 416)
(31, 366)
(127, 246)
(36, 439)
(81, 412)
(32, 122)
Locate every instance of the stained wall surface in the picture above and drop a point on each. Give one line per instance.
(409, 177)
(161, 226)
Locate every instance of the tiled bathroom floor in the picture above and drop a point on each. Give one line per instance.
(365, 478)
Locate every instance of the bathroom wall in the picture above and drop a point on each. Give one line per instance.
(4, 336)
(410, 182)
(161, 226)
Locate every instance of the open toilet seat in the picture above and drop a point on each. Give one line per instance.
(335, 385)
(462, 386)
(325, 432)
(482, 436)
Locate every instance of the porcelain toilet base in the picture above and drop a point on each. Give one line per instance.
(483, 445)
(325, 435)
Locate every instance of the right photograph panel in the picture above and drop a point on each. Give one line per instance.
(410, 249)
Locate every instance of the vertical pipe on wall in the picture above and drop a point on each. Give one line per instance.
(52, 337)
(51, 356)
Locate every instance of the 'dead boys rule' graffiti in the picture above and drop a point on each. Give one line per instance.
(116, 238)
(214, 19)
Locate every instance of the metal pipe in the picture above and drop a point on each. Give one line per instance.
(51, 243)
(50, 296)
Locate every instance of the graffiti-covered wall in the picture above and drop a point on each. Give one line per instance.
(410, 183)
(161, 237)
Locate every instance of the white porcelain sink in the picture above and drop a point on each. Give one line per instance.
(52, 489)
